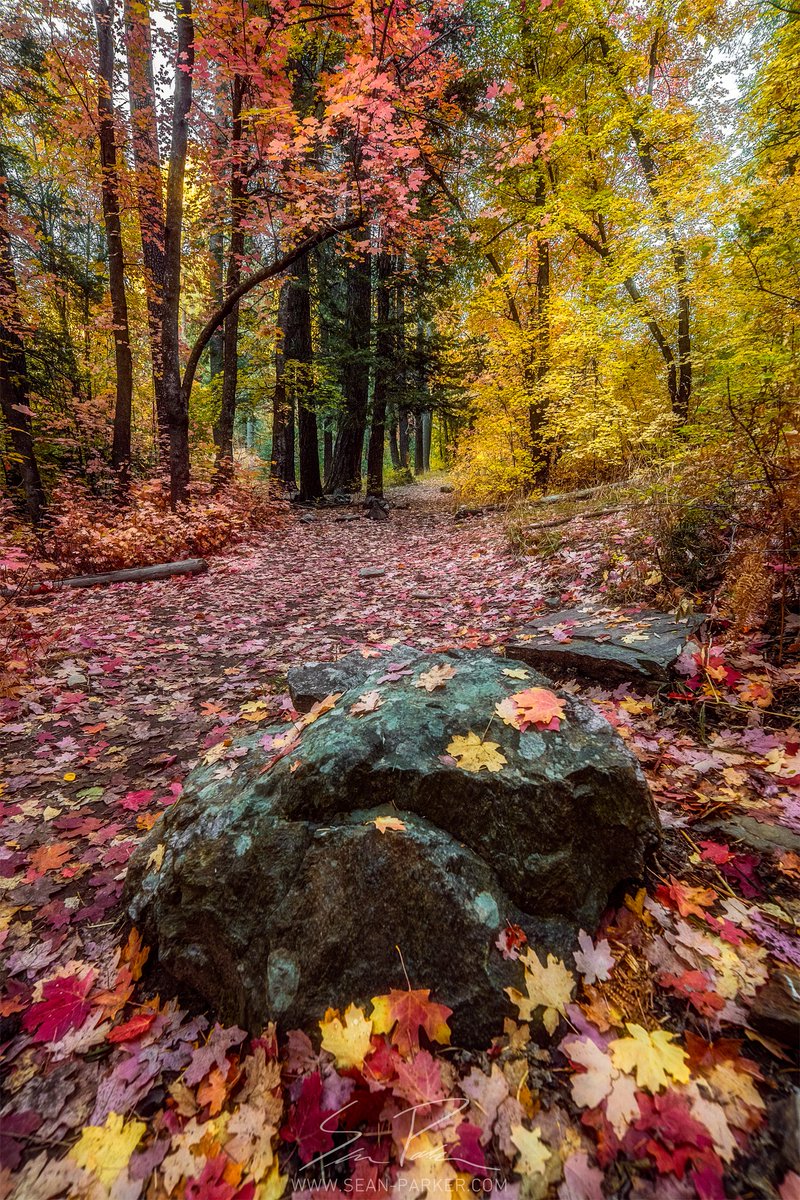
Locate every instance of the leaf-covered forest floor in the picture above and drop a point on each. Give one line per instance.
(670, 1070)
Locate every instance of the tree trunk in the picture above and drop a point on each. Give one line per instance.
(176, 409)
(384, 345)
(394, 448)
(216, 246)
(345, 474)
(149, 192)
(282, 467)
(327, 448)
(121, 445)
(402, 429)
(14, 370)
(427, 423)
(230, 353)
(299, 353)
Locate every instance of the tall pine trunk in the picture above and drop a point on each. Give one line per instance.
(299, 350)
(384, 346)
(121, 445)
(176, 409)
(230, 353)
(345, 474)
(149, 192)
(14, 370)
(282, 467)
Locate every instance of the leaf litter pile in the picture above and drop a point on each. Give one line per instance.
(653, 1062)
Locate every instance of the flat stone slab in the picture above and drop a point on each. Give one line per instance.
(285, 886)
(609, 645)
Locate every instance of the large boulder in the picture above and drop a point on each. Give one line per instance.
(273, 888)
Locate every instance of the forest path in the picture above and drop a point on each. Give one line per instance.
(145, 677)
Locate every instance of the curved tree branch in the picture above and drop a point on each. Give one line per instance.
(251, 282)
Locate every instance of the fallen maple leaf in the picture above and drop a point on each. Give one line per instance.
(435, 678)
(533, 1154)
(472, 754)
(132, 1029)
(549, 987)
(367, 703)
(50, 857)
(384, 824)
(651, 1056)
(516, 673)
(63, 1006)
(213, 1091)
(404, 1014)
(510, 940)
(106, 1149)
(135, 954)
(536, 706)
(349, 1041)
(593, 962)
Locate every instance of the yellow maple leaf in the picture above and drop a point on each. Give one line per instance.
(549, 987)
(651, 1056)
(273, 1186)
(254, 710)
(106, 1149)
(533, 1154)
(156, 858)
(473, 754)
(349, 1040)
(516, 674)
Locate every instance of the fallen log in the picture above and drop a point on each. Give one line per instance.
(597, 512)
(189, 566)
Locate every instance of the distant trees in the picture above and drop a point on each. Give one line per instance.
(280, 132)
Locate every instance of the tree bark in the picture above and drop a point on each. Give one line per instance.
(384, 347)
(230, 353)
(216, 246)
(14, 370)
(121, 444)
(345, 474)
(176, 407)
(402, 436)
(149, 192)
(394, 448)
(282, 467)
(299, 353)
(427, 425)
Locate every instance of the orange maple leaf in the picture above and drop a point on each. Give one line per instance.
(404, 1014)
(50, 858)
(687, 900)
(135, 954)
(213, 1092)
(539, 707)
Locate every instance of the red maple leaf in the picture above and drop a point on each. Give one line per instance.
(403, 1014)
(132, 1029)
(696, 988)
(63, 1007)
(467, 1153)
(310, 1126)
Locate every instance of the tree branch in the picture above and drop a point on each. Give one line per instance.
(251, 282)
